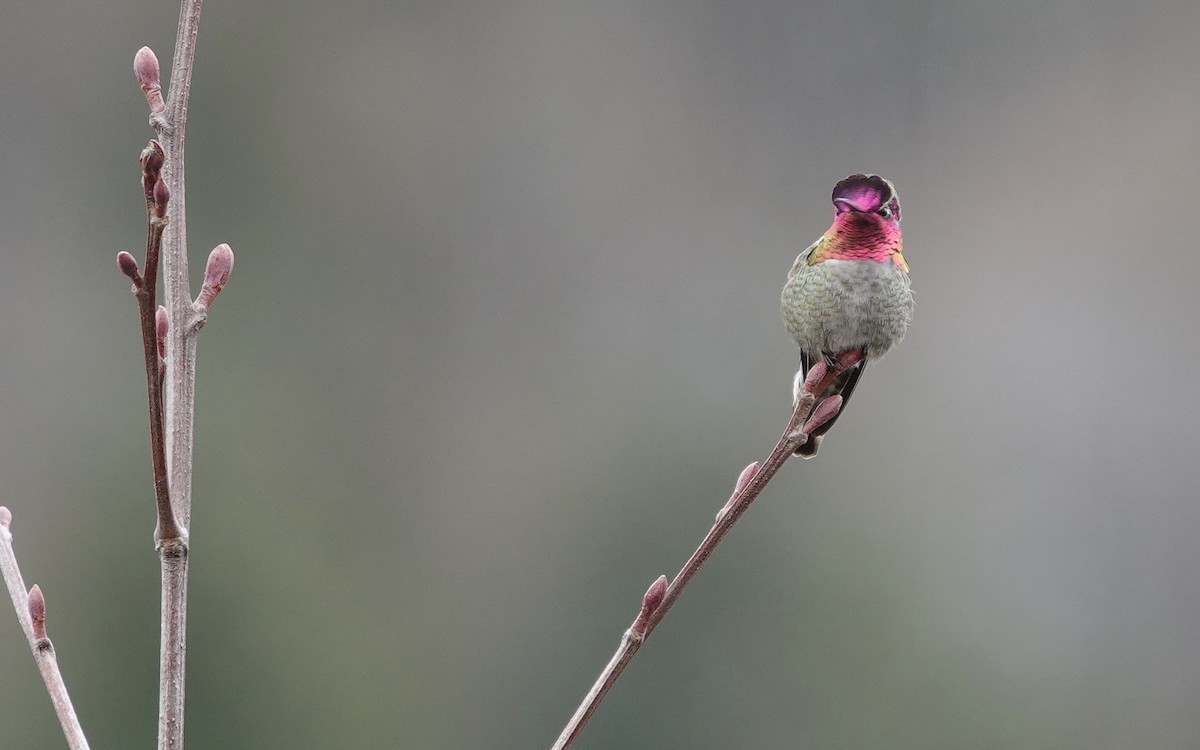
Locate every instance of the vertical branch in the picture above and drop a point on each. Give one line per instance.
(180, 381)
(184, 318)
(181, 338)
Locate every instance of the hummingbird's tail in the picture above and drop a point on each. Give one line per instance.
(843, 385)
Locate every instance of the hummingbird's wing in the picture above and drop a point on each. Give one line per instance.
(802, 259)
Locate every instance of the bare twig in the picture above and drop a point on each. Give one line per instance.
(176, 333)
(31, 612)
(657, 602)
(145, 289)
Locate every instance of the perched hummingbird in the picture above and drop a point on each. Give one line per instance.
(849, 290)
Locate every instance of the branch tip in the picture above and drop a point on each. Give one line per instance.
(37, 611)
(5, 517)
(216, 274)
(145, 68)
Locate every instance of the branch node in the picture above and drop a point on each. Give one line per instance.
(5, 517)
(161, 124)
(175, 547)
(196, 321)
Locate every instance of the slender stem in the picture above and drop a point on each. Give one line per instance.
(173, 641)
(181, 337)
(180, 381)
(147, 298)
(43, 649)
(43, 653)
(793, 437)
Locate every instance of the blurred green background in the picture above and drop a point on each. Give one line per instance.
(504, 329)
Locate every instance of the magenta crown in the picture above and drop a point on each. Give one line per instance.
(865, 193)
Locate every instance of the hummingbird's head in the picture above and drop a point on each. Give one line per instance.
(866, 222)
(866, 194)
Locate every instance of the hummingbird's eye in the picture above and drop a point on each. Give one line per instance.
(884, 212)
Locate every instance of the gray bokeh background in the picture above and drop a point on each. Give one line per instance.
(503, 330)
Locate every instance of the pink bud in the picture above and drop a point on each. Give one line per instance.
(145, 67)
(161, 326)
(653, 598)
(128, 265)
(37, 612)
(5, 517)
(651, 601)
(152, 158)
(162, 196)
(825, 411)
(816, 374)
(216, 273)
(738, 486)
(745, 477)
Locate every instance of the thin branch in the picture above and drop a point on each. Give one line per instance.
(31, 612)
(145, 289)
(750, 484)
(169, 119)
(181, 338)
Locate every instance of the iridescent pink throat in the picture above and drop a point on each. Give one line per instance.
(861, 236)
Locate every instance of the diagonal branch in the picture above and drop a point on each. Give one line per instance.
(31, 612)
(806, 417)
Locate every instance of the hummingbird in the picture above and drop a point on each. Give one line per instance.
(849, 290)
